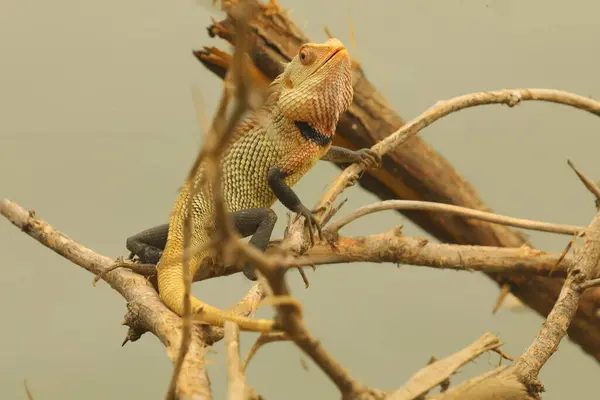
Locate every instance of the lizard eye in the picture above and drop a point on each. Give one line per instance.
(304, 56)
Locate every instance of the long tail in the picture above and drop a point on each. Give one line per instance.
(171, 288)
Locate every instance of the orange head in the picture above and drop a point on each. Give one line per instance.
(316, 86)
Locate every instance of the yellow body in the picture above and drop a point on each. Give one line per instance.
(315, 87)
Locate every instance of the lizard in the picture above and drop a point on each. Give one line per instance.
(269, 152)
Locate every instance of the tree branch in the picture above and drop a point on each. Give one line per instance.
(393, 247)
(585, 268)
(238, 388)
(510, 97)
(447, 208)
(436, 373)
(493, 385)
(587, 182)
(145, 310)
(414, 171)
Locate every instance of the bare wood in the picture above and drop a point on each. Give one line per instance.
(393, 247)
(509, 97)
(555, 327)
(457, 210)
(237, 383)
(589, 284)
(145, 310)
(497, 384)
(413, 172)
(587, 182)
(437, 372)
(289, 317)
(263, 339)
(221, 130)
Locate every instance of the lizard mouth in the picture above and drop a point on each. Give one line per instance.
(335, 53)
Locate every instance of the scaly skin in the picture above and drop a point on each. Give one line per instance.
(268, 154)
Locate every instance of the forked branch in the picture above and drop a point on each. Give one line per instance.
(511, 97)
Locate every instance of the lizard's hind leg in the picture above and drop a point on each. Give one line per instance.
(149, 244)
(258, 222)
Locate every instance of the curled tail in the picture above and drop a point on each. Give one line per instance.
(171, 288)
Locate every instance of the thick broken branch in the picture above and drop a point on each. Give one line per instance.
(413, 172)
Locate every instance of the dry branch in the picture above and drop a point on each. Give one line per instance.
(145, 310)
(437, 372)
(238, 388)
(587, 182)
(585, 268)
(261, 341)
(393, 247)
(289, 317)
(447, 208)
(497, 384)
(219, 135)
(413, 172)
(510, 97)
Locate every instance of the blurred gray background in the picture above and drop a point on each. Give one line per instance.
(97, 132)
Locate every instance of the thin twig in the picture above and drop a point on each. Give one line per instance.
(439, 371)
(452, 209)
(566, 250)
(588, 183)
(29, 395)
(589, 284)
(504, 292)
(263, 339)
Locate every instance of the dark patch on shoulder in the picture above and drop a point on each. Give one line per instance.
(310, 133)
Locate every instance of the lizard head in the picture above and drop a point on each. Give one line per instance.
(316, 86)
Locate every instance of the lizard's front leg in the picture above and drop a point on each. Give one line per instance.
(289, 198)
(148, 245)
(366, 156)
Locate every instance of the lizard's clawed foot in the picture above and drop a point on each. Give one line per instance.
(369, 158)
(147, 270)
(147, 255)
(312, 222)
